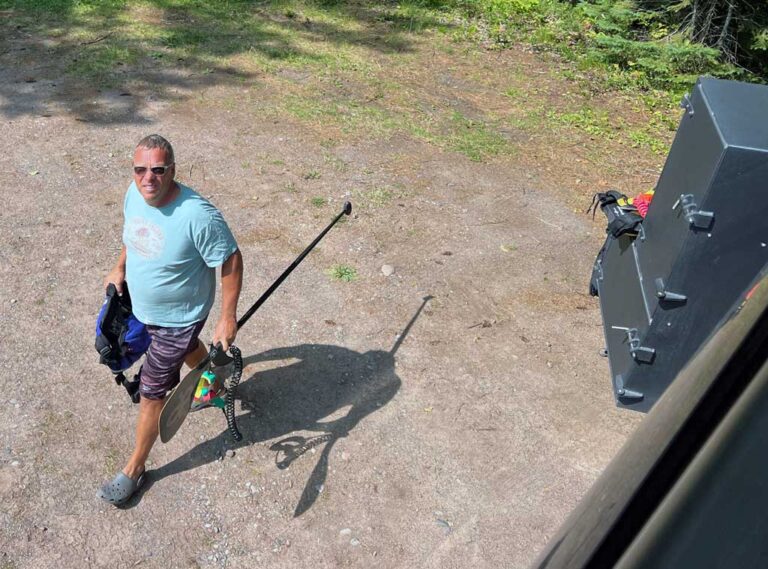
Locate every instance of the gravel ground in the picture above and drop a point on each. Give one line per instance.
(381, 429)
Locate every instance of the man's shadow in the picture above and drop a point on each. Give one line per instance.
(320, 381)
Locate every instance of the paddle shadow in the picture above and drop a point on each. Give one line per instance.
(319, 388)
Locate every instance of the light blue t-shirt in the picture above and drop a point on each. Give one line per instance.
(172, 255)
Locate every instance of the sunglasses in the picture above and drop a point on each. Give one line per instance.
(156, 170)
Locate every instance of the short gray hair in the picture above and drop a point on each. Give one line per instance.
(157, 141)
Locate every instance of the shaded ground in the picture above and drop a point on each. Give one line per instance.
(463, 443)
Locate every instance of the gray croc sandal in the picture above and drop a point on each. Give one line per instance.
(120, 489)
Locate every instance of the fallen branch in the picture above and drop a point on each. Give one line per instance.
(97, 40)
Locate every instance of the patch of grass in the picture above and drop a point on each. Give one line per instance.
(329, 143)
(101, 60)
(587, 120)
(312, 175)
(318, 201)
(379, 196)
(376, 197)
(185, 37)
(642, 139)
(344, 273)
(474, 139)
(336, 163)
(308, 109)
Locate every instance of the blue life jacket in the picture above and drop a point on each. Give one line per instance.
(120, 338)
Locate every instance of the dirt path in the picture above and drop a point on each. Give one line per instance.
(463, 443)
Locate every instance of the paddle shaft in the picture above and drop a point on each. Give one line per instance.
(346, 211)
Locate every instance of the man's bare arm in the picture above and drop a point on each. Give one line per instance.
(231, 283)
(117, 275)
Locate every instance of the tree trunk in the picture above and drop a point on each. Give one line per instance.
(724, 32)
(695, 20)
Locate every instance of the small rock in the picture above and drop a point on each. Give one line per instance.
(387, 270)
(15, 463)
(354, 542)
(344, 456)
(230, 453)
(345, 531)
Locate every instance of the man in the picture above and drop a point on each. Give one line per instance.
(173, 240)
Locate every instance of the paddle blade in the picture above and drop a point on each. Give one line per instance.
(177, 405)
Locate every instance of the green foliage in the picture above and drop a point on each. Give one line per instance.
(672, 64)
(615, 17)
(377, 197)
(635, 43)
(586, 120)
(641, 139)
(760, 41)
(343, 273)
(502, 9)
(474, 139)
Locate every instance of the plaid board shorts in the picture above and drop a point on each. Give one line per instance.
(160, 371)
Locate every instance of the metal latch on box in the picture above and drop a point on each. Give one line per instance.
(687, 105)
(663, 294)
(625, 395)
(639, 353)
(697, 218)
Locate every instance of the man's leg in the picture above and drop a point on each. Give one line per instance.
(147, 428)
(146, 434)
(195, 357)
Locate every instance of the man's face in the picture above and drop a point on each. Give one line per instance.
(156, 189)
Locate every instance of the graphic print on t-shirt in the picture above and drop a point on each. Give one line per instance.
(144, 237)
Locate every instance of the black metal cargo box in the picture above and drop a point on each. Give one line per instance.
(703, 241)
